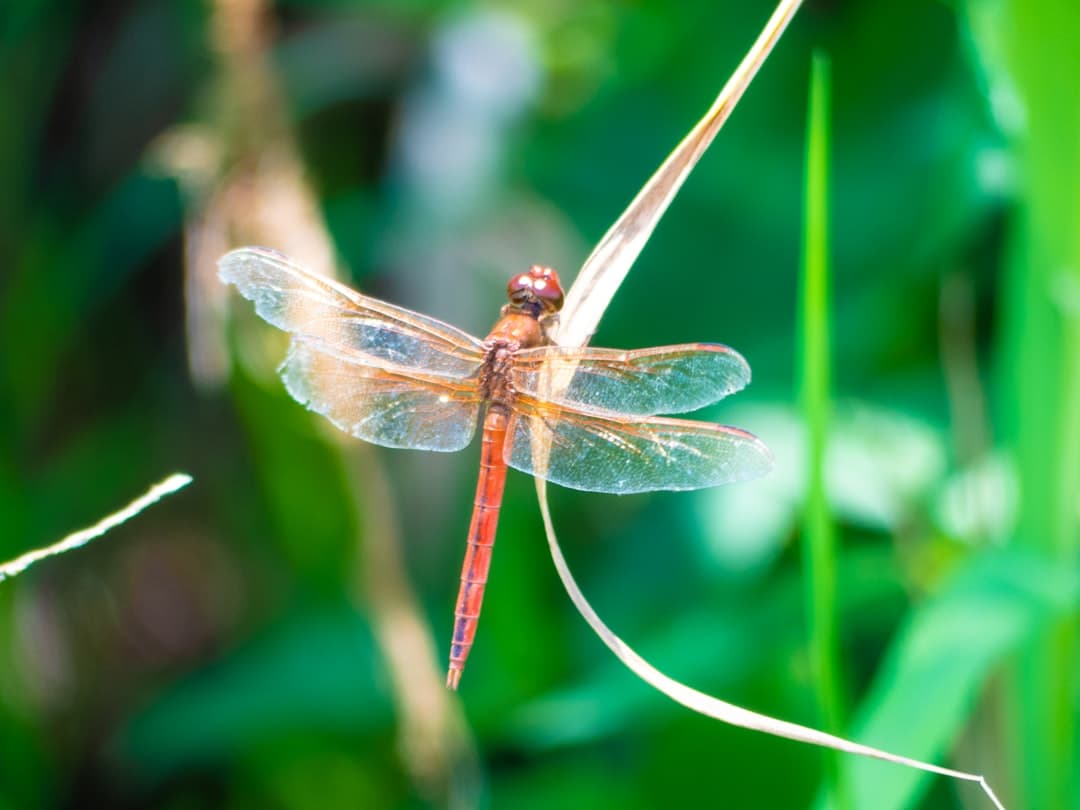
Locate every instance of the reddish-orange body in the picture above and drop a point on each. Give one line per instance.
(485, 517)
(533, 296)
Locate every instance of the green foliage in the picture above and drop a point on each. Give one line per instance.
(1040, 346)
(222, 651)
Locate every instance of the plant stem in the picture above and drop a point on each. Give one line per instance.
(819, 536)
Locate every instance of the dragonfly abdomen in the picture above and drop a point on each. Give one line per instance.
(481, 540)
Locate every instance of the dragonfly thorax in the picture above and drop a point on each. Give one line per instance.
(494, 383)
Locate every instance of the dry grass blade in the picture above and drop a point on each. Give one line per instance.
(81, 538)
(263, 197)
(713, 707)
(611, 259)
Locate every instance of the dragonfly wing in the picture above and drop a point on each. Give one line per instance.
(667, 379)
(599, 453)
(318, 308)
(379, 405)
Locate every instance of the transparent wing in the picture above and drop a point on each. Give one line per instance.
(667, 379)
(600, 453)
(379, 405)
(305, 303)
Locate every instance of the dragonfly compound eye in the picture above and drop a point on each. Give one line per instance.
(521, 283)
(546, 287)
(538, 286)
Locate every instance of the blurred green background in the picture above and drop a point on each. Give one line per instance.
(275, 635)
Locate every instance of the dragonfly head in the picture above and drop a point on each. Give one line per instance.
(537, 292)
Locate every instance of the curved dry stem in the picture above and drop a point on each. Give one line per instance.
(80, 538)
(713, 707)
(254, 190)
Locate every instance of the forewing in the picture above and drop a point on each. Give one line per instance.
(319, 309)
(621, 456)
(667, 379)
(379, 405)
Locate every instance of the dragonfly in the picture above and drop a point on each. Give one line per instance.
(581, 417)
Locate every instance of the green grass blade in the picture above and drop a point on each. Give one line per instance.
(819, 536)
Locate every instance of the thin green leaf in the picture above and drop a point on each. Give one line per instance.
(818, 531)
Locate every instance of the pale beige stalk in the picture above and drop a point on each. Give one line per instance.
(81, 538)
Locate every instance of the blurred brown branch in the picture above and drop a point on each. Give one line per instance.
(244, 181)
